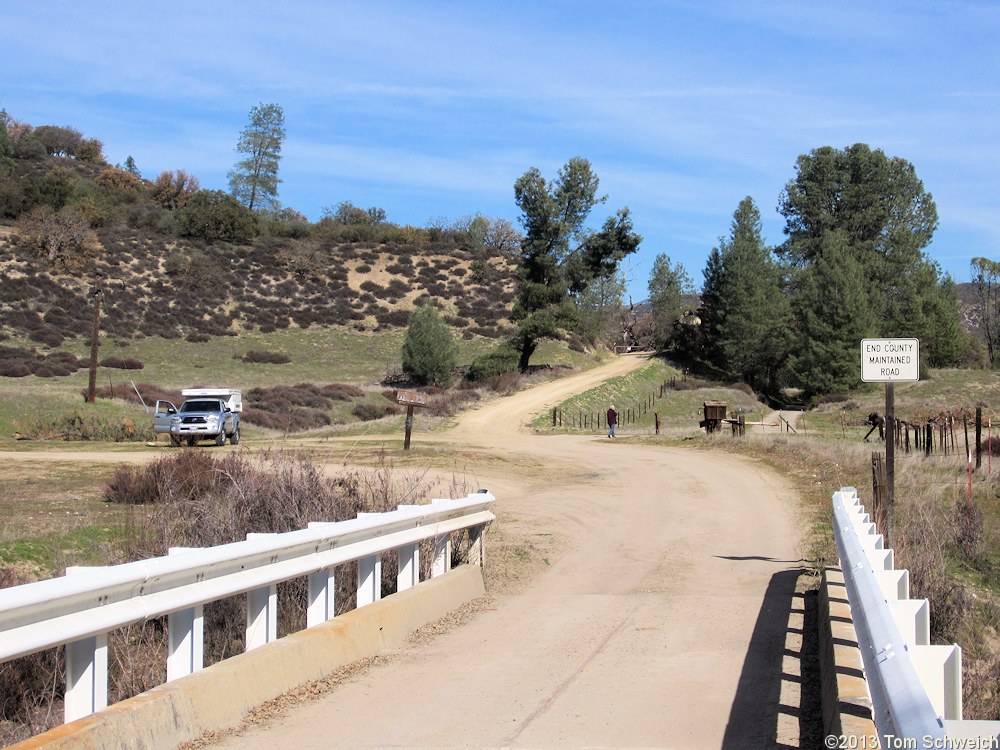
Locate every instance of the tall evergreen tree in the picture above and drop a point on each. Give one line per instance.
(884, 219)
(254, 179)
(559, 257)
(749, 322)
(131, 168)
(834, 316)
(668, 283)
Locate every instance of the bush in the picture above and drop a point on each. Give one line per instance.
(498, 361)
(74, 427)
(122, 363)
(265, 357)
(429, 351)
(213, 215)
(367, 412)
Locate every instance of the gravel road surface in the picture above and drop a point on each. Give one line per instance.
(666, 612)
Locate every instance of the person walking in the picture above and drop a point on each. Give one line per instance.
(612, 421)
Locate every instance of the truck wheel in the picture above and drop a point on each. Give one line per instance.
(234, 439)
(192, 442)
(220, 439)
(175, 441)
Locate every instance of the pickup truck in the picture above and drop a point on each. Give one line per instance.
(207, 413)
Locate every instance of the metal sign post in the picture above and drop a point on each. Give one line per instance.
(886, 361)
(410, 399)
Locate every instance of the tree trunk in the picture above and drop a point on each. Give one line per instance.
(527, 349)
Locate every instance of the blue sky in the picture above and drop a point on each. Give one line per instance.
(433, 109)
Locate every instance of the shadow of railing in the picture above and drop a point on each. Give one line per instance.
(766, 693)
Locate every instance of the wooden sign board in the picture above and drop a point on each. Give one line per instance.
(411, 398)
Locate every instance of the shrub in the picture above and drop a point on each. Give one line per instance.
(498, 361)
(366, 412)
(265, 357)
(122, 363)
(48, 336)
(429, 351)
(967, 529)
(213, 215)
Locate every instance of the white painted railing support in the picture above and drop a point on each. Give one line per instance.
(185, 637)
(408, 558)
(185, 642)
(440, 551)
(262, 611)
(477, 550)
(369, 575)
(322, 588)
(369, 580)
(86, 672)
(441, 561)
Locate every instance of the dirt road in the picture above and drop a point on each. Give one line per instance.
(665, 615)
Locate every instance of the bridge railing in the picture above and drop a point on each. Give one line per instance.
(80, 609)
(915, 687)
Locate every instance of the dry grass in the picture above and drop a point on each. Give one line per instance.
(191, 499)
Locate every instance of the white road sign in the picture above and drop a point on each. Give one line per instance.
(889, 360)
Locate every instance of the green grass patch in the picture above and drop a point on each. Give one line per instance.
(51, 554)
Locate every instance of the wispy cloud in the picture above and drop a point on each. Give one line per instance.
(684, 107)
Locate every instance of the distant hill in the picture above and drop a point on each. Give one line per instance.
(195, 290)
(162, 275)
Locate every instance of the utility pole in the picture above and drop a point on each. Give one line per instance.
(95, 331)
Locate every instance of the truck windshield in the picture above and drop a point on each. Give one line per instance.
(201, 406)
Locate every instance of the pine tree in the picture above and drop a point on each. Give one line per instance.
(254, 180)
(749, 318)
(835, 313)
(668, 283)
(559, 257)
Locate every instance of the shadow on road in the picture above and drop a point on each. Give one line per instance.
(777, 702)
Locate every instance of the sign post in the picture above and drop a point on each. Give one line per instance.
(886, 361)
(410, 399)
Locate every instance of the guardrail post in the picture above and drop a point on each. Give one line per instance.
(369, 580)
(477, 550)
(322, 589)
(369, 576)
(940, 671)
(185, 637)
(441, 563)
(86, 672)
(441, 560)
(262, 612)
(408, 557)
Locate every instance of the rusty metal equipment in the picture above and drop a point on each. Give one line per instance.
(715, 415)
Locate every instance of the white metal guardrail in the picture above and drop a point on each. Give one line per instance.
(915, 687)
(80, 609)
